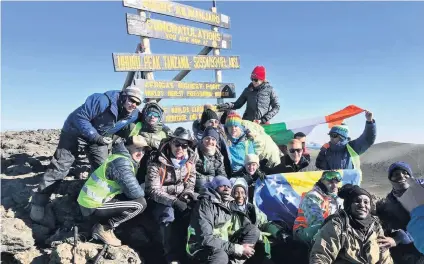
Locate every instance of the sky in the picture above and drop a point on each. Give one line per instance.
(319, 57)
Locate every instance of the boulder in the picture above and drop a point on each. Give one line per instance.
(16, 236)
(86, 252)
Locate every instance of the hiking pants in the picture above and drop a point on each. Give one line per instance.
(62, 161)
(118, 211)
(249, 234)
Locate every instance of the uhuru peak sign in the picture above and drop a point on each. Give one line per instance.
(141, 25)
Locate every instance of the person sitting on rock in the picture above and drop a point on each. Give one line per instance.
(208, 239)
(293, 162)
(211, 162)
(352, 234)
(260, 96)
(250, 172)
(210, 119)
(239, 142)
(170, 181)
(315, 206)
(395, 218)
(341, 153)
(112, 194)
(91, 125)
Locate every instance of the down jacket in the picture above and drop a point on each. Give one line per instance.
(175, 181)
(336, 156)
(100, 115)
(262, 103)
(210, 214)
(120, 170)
(209, 166)
(328, 246)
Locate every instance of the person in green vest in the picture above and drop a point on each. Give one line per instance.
(209, 239)
(112, 194)
(341, 153)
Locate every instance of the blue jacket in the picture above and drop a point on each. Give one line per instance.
(237, 151)
(95, 118)
(336, 156)
(416, 226)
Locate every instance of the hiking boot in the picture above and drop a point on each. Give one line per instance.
(37, 213)
(106, 235)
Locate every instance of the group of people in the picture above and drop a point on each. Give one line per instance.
(198, 188)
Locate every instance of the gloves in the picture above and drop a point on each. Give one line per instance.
(179, 205)
(224, 106)
(102, 140)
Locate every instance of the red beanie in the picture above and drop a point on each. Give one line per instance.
(258, 73)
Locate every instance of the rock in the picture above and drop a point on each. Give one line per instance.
(16, 236)
(66, 210)
(10, 214)
(20, 193)
(32, 256)
(88, 251)
(40, 233)
(7, 202)
(15, 170)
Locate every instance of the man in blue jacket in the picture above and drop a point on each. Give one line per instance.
(341, 153)
(90, 126)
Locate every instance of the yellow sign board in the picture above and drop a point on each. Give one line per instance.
(169, 62)
(174, 9)
(183, 113)
(159, 29)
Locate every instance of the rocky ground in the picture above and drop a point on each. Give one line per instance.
(25, 156)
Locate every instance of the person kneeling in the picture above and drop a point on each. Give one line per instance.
(209, 240)
(112, 194)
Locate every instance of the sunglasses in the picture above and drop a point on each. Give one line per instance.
(295, 150)
(153, 114)
(334, 135)
(332, 175)
(254, 80)
(178, 144)
(131, 100)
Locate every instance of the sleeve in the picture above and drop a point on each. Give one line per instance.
(241, 100)
(93, 106)
(221, 169)
(203, 224)
(363, 142)
(121, 171)
(313, 213)
(275, 107)
(415, 227)
(327, 244)
(385, 257)
(153, 186)
(321, 162)
(191, 181)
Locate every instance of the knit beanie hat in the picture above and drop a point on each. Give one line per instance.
(233, 119)
(134, 92)
(258, 73)
(251, 158)
(341, 130)
(219, 181)
(208, 114)
(211, 132)
(349, 192)
(400, 165)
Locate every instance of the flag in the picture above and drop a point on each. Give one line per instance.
(283, 132)
(278, 196)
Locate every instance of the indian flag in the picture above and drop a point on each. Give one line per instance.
(283, 132)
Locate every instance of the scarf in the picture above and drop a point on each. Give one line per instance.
(361, 225)
(178, 163)
(339, 146)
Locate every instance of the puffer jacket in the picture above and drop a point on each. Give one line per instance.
(120, 170)
(328, 247)
(209, 166)
(415, 227)
(395, 219)
(222, 144)
(265, 147)
(100, 115)
(164, 183)
(336, 156)
(238, 149)
(262, 103)
(314, 212)
(210, 214)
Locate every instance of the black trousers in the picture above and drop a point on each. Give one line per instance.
(62, 161)
(246, 235)
(118, 210)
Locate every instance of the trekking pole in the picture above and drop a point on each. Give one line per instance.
(75, 243)
(100, 254)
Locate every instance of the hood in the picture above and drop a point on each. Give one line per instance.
(146, 109)
(209, 193)
(240, 182)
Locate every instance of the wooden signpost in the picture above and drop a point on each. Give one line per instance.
(143, 61)
(159, 29)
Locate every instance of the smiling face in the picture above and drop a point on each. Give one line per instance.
(295, 150)
(131, 104)
(179, 148)
(136, 153)
(361, 207)
(234, 131)
(239, 195)
(209, 143)
(251, 167)
(152, 118)
(212, 122)
(256, 82)
(399, 177)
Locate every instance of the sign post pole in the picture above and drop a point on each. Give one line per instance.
(216, 52)
(145, 47)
